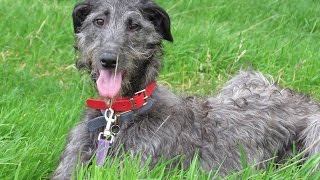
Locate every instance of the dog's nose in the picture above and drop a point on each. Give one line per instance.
(108, 60)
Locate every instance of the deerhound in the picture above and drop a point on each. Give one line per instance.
(120, 43)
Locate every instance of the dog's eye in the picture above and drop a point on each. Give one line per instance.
(133, 26)
(99, 22)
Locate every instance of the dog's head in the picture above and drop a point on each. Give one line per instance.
(119, 41)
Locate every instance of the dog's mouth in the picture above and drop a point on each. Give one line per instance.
(109, 82)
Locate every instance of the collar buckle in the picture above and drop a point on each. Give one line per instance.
(145, 96)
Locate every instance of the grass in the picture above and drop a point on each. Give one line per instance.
(41, 97)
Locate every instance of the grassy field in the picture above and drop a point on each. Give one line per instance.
(42, 95)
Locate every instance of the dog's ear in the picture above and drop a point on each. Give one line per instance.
(160, 19)
(80, 13)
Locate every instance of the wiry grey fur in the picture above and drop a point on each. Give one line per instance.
(251, 111)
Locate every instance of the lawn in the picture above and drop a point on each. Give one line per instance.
(42, 94)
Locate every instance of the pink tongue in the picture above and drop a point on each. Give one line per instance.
(109, 83)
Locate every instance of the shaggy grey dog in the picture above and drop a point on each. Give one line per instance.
(119, 43)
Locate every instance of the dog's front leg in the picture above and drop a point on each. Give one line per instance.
(79, 150)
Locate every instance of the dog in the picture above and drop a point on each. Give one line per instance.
(119, 42)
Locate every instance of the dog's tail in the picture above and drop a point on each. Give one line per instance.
(310, 136)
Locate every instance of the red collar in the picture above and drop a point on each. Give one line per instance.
(123, 104)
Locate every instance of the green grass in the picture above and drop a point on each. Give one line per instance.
(42, 95)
